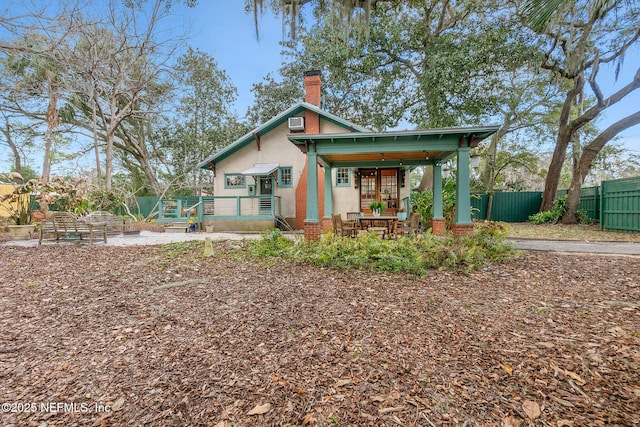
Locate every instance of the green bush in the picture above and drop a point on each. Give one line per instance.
(555, 214)
(407, 254)
(271, 243)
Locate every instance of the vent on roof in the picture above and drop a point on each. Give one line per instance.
(296, 124)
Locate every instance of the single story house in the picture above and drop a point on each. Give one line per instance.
(306, 163)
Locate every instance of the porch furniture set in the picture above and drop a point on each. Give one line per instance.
(384, 226)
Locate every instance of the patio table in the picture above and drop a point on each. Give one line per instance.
(387, 221)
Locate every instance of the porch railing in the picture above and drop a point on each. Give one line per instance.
(181, 209)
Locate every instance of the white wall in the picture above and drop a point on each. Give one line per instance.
(275, 148)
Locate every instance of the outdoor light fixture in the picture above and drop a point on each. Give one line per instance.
(475, 160)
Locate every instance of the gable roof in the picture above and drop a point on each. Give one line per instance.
(271, 124)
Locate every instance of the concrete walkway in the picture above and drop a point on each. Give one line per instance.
(153, 238)
(144, 238)
(620, 248)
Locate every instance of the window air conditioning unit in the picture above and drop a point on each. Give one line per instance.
(296, 124)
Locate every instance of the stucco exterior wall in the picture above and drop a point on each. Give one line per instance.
(274, 148)
(347, 198)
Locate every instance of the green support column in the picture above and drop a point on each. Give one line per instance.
(463, 188)
(312, 187)
(328, 197)
(437, 190)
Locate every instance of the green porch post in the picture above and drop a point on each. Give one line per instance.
(328, 197)
(437, 190)
(312, 221)
(437, 222)
(462, 222)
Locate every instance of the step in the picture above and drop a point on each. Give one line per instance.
(176, 229)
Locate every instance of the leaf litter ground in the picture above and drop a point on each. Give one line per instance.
(161, 336)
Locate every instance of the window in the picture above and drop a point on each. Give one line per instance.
(234, 181)
(285, 177)
(343, 177)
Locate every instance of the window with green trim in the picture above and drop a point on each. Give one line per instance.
(285, 177)
(343, 177)
(233, 180)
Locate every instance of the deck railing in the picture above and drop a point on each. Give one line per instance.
(181, 209)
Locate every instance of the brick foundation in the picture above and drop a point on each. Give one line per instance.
(312, 231)
(461, 229)
(438, 226)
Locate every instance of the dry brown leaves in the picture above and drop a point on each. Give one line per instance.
(148, 336)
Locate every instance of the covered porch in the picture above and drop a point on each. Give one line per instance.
(399, 150)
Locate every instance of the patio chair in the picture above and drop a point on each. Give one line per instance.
(343, 228)
(411, 226)
(354, 216)
(353, 219)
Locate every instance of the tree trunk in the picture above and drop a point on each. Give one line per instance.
(489, 206)
(108, 162)
(565, 131)
(589, 153)
(95, 142)
(17, 158)
(426, 183)
(52, 120)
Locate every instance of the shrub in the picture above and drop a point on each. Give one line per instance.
(555, 214)
(407, 254)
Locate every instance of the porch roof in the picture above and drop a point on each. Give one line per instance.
(391, 149)
(261, 169)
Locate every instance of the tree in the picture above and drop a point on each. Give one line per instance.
(121, 70)
(583, 41)
(583, 165)
(18, 136)
(39, 75)
(204, 121)
(428, 63)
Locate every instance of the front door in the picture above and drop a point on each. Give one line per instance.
(379, 184)
(265, 190)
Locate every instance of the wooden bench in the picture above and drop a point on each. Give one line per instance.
(115, 224)
(66, 226)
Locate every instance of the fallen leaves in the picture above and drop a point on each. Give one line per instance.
(260, 409)
(228, 342)
(531, 409)
(508, 369)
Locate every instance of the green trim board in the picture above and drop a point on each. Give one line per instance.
(390, 149)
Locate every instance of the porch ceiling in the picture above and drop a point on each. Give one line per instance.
(391, 149)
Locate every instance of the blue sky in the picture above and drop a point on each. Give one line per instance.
(224, 30)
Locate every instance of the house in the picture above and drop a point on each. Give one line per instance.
(306, 163)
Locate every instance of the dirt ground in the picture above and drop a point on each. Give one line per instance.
(160, 336)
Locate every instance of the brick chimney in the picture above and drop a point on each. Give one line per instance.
(312, 85)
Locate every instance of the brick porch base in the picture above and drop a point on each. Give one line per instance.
(461, 229)
(312, 231)
(438, 226)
